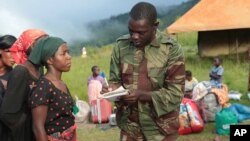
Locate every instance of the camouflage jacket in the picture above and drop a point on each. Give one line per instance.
(158, 69)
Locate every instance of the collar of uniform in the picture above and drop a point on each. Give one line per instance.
(157, 40)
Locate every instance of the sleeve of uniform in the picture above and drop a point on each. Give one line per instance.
(15, 97)
(169, 97)
(115, 74)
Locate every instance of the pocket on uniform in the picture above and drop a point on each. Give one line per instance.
(156, 76)
(169, 124)
(127, 73)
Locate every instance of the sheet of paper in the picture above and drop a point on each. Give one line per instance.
(113, 95)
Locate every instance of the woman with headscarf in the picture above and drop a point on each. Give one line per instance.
(51, 102)
(6, 63)
(22, 47)
(15, 112)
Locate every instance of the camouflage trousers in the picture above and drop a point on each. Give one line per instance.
(140, 137)
(165, 131)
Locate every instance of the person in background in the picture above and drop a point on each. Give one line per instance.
(216, 73)
(96, 75)
(95, 84)
(6, 64)
(51, 101)
(190, 82)
(23, 46)
(14, 111)
(151, 66)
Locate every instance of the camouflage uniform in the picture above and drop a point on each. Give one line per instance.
(159, 69)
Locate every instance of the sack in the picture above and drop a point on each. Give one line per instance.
(223, 120)
(189, 118)
(200, 90)
(209, 106)
(84, 110)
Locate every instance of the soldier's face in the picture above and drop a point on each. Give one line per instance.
(141, 32)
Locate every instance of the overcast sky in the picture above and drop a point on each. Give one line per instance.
(63, 18)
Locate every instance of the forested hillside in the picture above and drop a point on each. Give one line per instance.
(106, 31)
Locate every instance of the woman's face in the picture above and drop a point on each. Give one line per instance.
(62, 59)
(6, 58)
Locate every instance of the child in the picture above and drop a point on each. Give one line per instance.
(190, 82)
(95, 84)
(96, 75)
(216, 73)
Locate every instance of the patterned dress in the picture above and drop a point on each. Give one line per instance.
(60, 106)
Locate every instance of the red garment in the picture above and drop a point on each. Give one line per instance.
(22, 44)
(67, 135)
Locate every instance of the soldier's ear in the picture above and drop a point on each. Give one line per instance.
(156, 24)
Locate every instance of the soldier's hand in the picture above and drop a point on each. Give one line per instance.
(137, 95)
(109, 88)
(130, 98)
(105, 90)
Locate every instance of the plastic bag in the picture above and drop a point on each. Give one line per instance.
(223, 120)
(234, 95)
(189, 118)
(84, 110)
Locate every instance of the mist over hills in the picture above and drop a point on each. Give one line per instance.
(106, 31)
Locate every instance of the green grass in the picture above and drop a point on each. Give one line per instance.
(235, 76)
(96, 134)
(80, 71)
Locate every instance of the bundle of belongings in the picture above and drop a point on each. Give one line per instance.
(205, 103)
(213, 105)
(209, 100)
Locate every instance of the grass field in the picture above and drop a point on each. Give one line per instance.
(235, 76)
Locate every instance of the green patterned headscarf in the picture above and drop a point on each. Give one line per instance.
(44, 49)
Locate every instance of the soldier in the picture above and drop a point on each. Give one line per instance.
(151, 66)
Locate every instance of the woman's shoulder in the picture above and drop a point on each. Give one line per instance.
(19, 69)
(43, 86)
(43, 81)
(19, 72)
